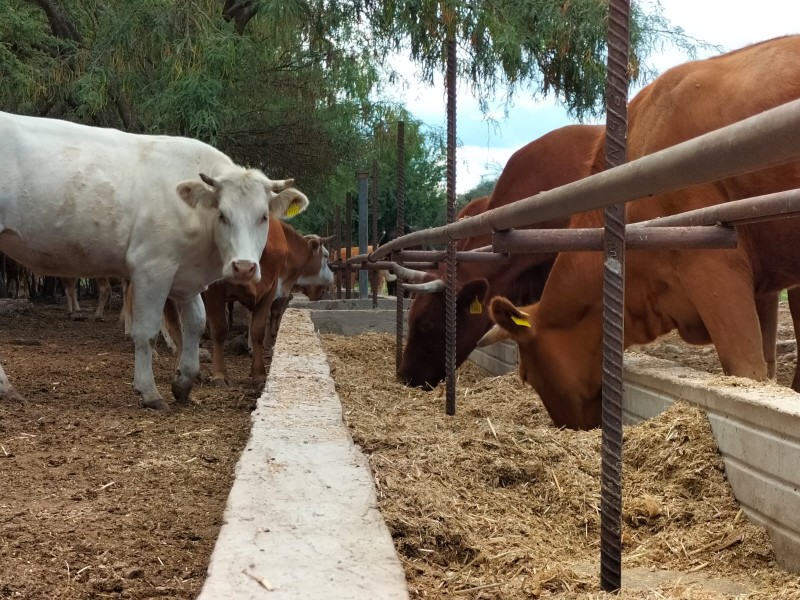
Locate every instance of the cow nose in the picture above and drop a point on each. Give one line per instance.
(244, 268)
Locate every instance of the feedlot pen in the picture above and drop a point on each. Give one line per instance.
(103, 499)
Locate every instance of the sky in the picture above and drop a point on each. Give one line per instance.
(487, 143)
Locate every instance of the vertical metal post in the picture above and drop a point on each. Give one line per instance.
(373, 207)
(348, 243)
(614, 303)
(363, 234)
(400, 229)
(450, 290)
(337, 252)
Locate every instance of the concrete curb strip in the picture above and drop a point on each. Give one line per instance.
(302, 518)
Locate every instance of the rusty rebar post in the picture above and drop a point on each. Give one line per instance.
(337, 249)
(614, 303)
(373, 209)
(348, 243)
(450, 290)
(401, 225)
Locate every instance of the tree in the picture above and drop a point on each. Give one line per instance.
(290, 86)
(541, 46)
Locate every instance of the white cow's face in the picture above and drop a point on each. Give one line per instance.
(240, 203)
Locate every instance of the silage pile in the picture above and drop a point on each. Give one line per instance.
(496, 503)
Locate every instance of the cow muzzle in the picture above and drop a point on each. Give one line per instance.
(243, 271)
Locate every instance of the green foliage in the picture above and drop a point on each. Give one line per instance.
(484, 188)
(546, 47)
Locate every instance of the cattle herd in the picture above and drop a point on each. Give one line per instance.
(171, 216)
(725, 297)
(191, 231)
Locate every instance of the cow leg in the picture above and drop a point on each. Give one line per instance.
(171, 327)
(258, 330)
(230, 315)
(767, 308)
(104, 293)
(7, 391)
(193, 322)
(794, 309)
(214, 298)
(148, 300)
(276, 315)
(71, 294)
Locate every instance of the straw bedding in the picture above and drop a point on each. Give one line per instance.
(497, 503)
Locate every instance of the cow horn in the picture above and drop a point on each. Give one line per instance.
(429, 287)
(279, 185)
(409, 274)
(494, 335)
(209, 181)
(325, 240)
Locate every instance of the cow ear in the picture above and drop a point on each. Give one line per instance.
(289, 203)
(472, 297)
(196, 193)
(314, 243)
(517, 323)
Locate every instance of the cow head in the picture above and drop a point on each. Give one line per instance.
(240, 202)
(316, 272)
(562, 365)
(423, 363)
(522, 280)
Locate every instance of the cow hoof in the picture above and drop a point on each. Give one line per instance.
(11, 395)
(258, 382)
(156, 404)
(97, 319)
(76, 317)
(180, 391)
(218, 381)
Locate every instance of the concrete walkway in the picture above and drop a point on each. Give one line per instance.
(301, 520)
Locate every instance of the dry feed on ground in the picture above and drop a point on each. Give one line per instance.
(496, 503)
(101, 498)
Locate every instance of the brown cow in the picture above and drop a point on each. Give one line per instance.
(557, 158)
(709, 296)
(474, 207)
(288, 258)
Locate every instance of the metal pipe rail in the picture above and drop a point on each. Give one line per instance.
(378, 265)
(736, 212)
(432, 256)
(641, 238)
(439, 256)
(764, 140)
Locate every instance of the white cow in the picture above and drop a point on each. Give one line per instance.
(79, 201)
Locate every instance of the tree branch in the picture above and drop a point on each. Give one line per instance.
(61, 24)
(240, 12)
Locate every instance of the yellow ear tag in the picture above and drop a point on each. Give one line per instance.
(476, 307)
(522, 322)
(294, 209)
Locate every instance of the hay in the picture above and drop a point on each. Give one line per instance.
(496, 503)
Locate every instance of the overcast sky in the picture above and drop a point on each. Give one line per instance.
(485, 146)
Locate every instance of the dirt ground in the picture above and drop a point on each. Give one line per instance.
(101, 498)
(495, 503)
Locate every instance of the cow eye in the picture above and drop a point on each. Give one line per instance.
(264, 218)
(222, 218)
